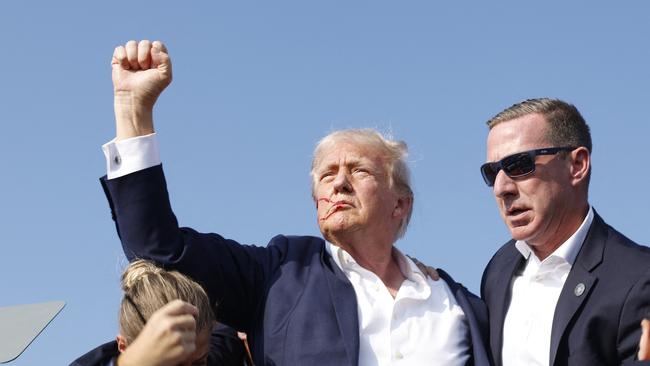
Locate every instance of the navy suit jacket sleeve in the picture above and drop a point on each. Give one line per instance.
(149, 230)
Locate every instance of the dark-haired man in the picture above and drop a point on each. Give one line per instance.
(568, 289)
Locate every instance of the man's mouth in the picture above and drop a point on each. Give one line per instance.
(516, 212)
(334, 206)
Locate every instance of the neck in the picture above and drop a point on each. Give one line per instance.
(376, 256)
(569, 223)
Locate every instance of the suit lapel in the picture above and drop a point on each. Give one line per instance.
(345, 307)
(571, 298)
(579, 283)
(501, 292)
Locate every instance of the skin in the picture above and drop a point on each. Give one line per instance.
(644, 343)
(358, 210)
(169, 338)
(544, 208)
(140, 72)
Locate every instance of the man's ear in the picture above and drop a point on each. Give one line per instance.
(580, 165)
(121, 343)
(403, 206)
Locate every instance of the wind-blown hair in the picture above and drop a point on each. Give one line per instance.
(147, 288)
(393, 152)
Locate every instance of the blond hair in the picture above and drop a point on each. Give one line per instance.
(394, 152)
(147, 288)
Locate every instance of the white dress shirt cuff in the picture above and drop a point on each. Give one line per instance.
(131, 155)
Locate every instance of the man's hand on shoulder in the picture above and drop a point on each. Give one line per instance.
(431, 272)
(141, 71)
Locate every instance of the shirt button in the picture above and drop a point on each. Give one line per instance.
(117, 160)
(399, 355)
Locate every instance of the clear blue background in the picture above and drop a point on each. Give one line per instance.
(256, 85)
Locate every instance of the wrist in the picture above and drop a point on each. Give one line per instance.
(133, 117)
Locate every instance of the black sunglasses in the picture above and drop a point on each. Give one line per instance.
(517, 165)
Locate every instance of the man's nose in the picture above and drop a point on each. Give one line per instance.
(504, 185)
(342, 182)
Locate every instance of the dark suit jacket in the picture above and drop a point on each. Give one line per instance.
(294, 302)
(599, 327)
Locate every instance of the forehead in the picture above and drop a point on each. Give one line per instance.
(517, 135)
(347, 153)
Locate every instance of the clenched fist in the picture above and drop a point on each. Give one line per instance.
(141, 71)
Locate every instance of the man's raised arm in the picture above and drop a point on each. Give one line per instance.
(234, 276)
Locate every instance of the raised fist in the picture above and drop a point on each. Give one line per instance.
(141, 71)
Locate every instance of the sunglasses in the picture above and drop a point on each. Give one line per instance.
(517, 165)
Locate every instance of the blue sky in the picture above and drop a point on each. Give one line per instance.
(256, 84)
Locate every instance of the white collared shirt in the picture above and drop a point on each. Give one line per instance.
(422, 325)
(535, 292)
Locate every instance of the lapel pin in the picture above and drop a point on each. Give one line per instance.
(580, 289)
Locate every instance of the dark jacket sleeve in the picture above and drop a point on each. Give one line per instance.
(235, 276)
(635, 308)
(226, 349)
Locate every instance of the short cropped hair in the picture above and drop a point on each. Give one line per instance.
(147, 288)
(394, 153)
(566, 126)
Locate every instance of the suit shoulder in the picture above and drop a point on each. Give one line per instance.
(294, 246)
(101, 355)
(453, 285)
(496, 264)
(506, 251)
(625, 249)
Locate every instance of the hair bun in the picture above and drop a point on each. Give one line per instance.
(137, 271)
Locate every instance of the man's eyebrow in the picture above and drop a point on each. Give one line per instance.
(349, 162)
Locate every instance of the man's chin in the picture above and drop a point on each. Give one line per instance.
(333, 229)
(521, 232)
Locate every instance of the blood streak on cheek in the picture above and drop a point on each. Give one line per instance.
(330, 211)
